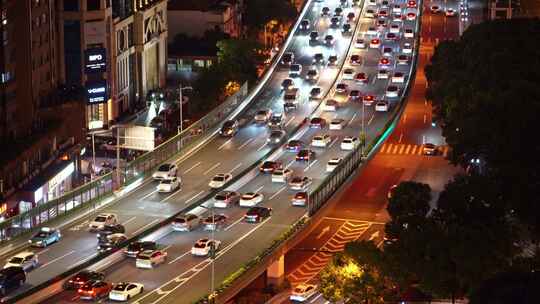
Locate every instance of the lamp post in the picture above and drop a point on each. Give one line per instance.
(181, 101)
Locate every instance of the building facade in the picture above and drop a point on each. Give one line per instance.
(117, 50)
(194, 17)
(41, 121)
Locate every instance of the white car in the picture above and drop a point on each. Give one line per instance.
(165, 171)
(262, 116)
(450, 12)
(337, 124)
(333, 163)
(435, 9)
(168, 185)
(102, 220)
(381, 106)
(125, 291)
(26, 260)
(394, 28)
(250, 199)
(203, 246)
(375, 43)
(392, 91)
(321, 140)
(408, 33)
(349, 143)
(370, 13)
(360, 43)
(407, 48)
(348, 74)
(382, 74)
(150, 258)
(330, 105)
(398, 77)
(281, 175)
(303, 292)
(396, 8)
(219, 180)
(225, 198)
(372, 31)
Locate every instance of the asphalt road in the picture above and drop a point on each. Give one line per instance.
(188, 276)
(359, 212)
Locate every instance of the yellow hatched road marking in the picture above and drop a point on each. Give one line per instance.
(396, 147)
(420, 149)
(383, 147)
(407, 149)
(414, 149)
(401, 149)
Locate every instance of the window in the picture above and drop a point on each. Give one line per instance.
(93, 5)
(130, 35)
(71, 5)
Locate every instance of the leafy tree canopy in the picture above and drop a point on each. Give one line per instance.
(485, 89)
(259, 12)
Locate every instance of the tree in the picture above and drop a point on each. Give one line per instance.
(259, 12)
(239, 58)
(508, 288)
(345, 278)
(486, 96)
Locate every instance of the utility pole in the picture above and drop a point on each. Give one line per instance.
(118, 156)
(181, 102)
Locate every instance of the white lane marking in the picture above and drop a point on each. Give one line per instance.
(192, 167)
(166, 247)
(290, 120)
(333, 142)
(175, 192)
(224, 144)
(315, 299)
(145, 226)
(179, 257)
(195, 270)
(310, 165)
(353, 117)
(44, 250)
(245, 144)
(128, 221)
(149, 194)
(278, 192)
(259, 189)
(371, 119)
(82, 261)
(261, 147)
(236, 167)
(235, 222)
(58, 258)
(211, 168)
(194, 197)
(289, 164)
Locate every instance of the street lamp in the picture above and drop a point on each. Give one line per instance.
(181, 101)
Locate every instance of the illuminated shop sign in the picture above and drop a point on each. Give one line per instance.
(96, 92)
(95, 60)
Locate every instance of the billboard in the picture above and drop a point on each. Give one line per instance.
(96, 91)
(137, 138)
(95, 60)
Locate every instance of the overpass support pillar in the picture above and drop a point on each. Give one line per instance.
(275, 274)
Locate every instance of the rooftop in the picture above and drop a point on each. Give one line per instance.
(199, 5)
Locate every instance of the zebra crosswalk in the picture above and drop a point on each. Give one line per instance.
(409, 149)
(348, 232)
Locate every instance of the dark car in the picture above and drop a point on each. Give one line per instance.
(332, 59)
(93, 290)
(269, 166)
(229, 128)
(134, 248)
(318, 58)
(334, 21)
(11, 278)
(257, 214)
(111, 229)
(287, 83)
(287, 59)
(305, 155)
(317, 122)
(304, 25)
(356, 59)
(82, 278)
(110, 241)
(346, 28)
(294, 145)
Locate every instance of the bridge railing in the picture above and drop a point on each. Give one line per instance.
(322, 194)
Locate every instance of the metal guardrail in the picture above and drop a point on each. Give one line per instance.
(322, 194)
(87, 195)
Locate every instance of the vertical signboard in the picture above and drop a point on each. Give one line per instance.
(96, 92)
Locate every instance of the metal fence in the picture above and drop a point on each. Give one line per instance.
(89, 194)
